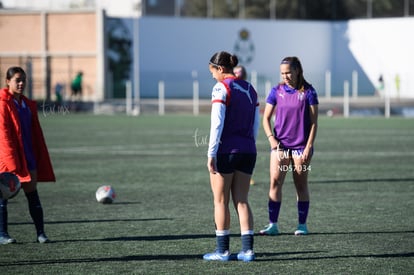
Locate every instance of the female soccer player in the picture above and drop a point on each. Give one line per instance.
(231, 154)
(291, 140)
(23, 150)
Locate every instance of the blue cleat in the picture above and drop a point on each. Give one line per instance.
(42, 238)
(6, 239)
(302, 230)
(270, 230)
(216, 256)
(246, 256)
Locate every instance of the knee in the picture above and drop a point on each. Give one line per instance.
(276, 184)
(29, 187)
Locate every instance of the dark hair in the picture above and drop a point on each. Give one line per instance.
(224, 59)
(14, 70)
(295, 64)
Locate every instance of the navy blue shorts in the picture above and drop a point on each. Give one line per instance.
(229, 163)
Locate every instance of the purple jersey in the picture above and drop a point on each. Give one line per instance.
(292, 117)
(240, 103)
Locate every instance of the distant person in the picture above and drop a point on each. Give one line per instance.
(59, 93)
(76, 86)
(240, 72)
(381, 85)
(295, 104)
(23, 150)
(397, 84)
(231, 154)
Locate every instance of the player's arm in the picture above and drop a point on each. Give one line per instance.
(313, 112)
(8, 154)
(267, 125)
(218, 114)
(256, 122)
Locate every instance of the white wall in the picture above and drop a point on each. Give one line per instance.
(172, 48)
(385, 46)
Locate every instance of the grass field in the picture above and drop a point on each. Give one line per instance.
(361, 217)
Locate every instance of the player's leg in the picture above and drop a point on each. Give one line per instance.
(279, 166)
(220, 186)
(240, 191)
(300, 179)
(35, 207)
(4, 234)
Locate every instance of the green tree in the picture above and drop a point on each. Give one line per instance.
(297, 9)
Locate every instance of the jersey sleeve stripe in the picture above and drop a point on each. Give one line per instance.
(218, 101)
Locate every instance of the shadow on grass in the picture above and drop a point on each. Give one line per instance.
(96, 221)
(362, 232)
(365, 180)
(260, 257)
(273, 255)
(145, 238)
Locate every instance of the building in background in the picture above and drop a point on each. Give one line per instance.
(112, 43)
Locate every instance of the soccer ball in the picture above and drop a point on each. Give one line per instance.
(105, 194)
(9, 185)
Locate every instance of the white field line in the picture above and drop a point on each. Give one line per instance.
(147, 149)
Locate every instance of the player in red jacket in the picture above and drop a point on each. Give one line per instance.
(23, 150)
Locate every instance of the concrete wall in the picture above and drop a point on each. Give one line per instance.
(176, 50)
(172, 49)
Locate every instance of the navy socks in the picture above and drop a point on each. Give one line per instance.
(3, 217)
(274, 209)
(36, 211)
(303, 209)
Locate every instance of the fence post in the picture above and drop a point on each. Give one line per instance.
(268, 86)
(253, 78)
(128, 98)
(354, 84)
(161, 98)
(196, 107)
(346, 98)
(387, 107)
(328, 84)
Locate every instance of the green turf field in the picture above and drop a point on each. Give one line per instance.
(361, 216)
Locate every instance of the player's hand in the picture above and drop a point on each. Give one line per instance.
(305, 155)
(211, 165)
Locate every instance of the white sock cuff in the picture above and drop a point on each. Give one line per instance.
(222, 232)
(247, 232)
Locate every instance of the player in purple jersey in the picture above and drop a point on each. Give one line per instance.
(295, 104)
(231, 154)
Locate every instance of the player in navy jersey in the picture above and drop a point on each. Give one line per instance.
(295, 104)
(232, 154)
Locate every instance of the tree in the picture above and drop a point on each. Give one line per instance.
(297, 9)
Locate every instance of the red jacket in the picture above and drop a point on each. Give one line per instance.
(12, 157)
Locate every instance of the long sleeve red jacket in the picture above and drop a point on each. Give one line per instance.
(12, 157)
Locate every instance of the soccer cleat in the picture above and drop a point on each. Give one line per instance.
(6, 239)
(246, 256)
(42, 238)
(216, 256)
(302, 229)
(270, 230)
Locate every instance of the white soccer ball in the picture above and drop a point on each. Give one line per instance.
(105, 194)
(9, 185)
